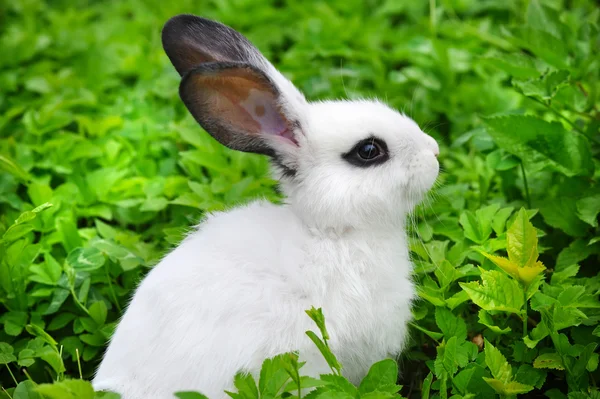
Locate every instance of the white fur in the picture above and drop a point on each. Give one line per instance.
(235, 291)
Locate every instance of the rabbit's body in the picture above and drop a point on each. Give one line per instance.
(235, 291)
(227, 298)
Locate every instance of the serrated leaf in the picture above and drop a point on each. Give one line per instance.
(521, 241)
(562, 213)
(498, 292)
(540, 144)
(542, 17)
(381, 375)
(515, 64)
(273, 377)
(496, 362)
(450, 324)
(246, 386)
(67, 389)
(543, 88)
(588, 209)
(543, 44)
(508, 388)
(486, 320)
(549, 361)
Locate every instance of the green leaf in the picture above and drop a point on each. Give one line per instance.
(497, 363)
(542, 17)
(98, 312)
(561, 212)
(500, 218)
(6, 353)
(273, 377)
(426, 389)
(325, 351)
(317, 316)
(508, 388)
(515, 64)
(48, 272)
(340, 384)
(450, 324)
(246, 386)
(26, 390)
(457, 299)
(543, 88)
(462, 379)
(486, 320)
(549, 361)
(521, 241)
(528, 375)
(588, 209)
(14, 322)
(86, 259)
(478, 225)
(540, 332)
(190, 395)
(381, 375)
(432, 334)
(305, 382)
(543, 44)
(67, 229)
(10, 166)
(497, 293)
(67, 389)
(540, 144)
(39, 332)
(592, 364)
(446, 362)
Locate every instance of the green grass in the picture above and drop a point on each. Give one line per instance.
(91, 123)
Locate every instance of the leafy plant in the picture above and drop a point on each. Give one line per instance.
(102, 170)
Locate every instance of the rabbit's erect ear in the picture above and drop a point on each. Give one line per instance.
(232, 91)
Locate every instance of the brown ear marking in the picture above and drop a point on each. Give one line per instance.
(213, 92)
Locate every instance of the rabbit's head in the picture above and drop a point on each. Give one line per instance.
(341, 164)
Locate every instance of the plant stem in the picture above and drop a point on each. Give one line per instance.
(12, 375)
(564, 118)
(527, 197)
(78, 363)
(112, 290)
(7, 394)
(28, 376)
(525, 313)
(432, 21)
(79, 303)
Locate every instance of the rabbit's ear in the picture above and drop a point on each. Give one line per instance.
(190, 41)
(232, 91)
(239, 106)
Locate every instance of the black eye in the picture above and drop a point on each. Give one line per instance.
(368, 151)
(371, 151)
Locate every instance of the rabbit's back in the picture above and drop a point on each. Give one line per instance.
(198, 316)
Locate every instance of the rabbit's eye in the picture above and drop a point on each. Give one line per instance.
(371, 151)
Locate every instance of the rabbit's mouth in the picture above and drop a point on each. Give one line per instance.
(424, 169)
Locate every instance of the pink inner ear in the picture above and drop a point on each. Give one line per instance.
(262, 108)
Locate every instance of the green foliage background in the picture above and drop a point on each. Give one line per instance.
(91, 124)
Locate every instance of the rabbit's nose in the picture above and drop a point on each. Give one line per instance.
(432, 144)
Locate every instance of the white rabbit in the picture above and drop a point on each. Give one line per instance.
(235, 291)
